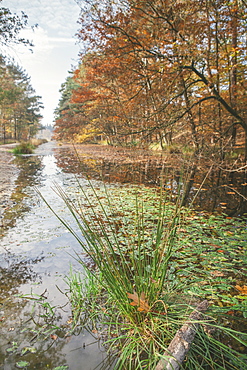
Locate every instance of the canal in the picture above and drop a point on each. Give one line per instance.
(36, 253)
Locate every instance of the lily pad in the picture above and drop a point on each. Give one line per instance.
(13, 348)
(21, 364)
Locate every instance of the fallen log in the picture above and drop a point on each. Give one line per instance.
(180, 344)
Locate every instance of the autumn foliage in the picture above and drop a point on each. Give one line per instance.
(160, 71)
(20, 107)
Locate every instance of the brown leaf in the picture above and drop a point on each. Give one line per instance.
(217, 273)
(141, 301)
(53, 336)
(242, 290)
(215, 245)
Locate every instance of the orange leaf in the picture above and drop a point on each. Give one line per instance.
(215, 245)
(242, 290)
(141, 301)
(217, 273)
(53, 336)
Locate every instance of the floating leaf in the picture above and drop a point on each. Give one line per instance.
(21, 364)
(139, 301)
(53, 336)
(13, 348)
(28, 349)
(10, 349)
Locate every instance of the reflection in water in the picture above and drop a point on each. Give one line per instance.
(30, 169)
(35, 255)
(147, 172)
(222, 191)
(15, 272)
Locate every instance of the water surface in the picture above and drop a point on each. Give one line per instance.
(36, 252)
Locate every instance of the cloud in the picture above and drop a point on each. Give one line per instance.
(42, 46)
(62, 39)
(53, 15)
(54, 45)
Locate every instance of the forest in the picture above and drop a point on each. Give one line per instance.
(159, 74)
(20, 106)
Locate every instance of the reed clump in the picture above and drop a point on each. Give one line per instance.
(132, 293)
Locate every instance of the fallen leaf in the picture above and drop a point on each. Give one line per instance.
(217, 273)
(215, 245)
(139, 301)
(53, 336)
(242, 290)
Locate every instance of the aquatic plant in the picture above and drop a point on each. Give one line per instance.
(136, 294)
(27, 147)
(23, 148)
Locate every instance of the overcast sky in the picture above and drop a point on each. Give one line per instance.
(56, 49)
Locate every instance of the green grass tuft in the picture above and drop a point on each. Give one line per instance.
(23, 148)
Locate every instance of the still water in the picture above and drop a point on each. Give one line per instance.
(36, 252)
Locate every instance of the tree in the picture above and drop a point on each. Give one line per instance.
(165, 70)
(68, 114)
(10, 27)
(19, 105)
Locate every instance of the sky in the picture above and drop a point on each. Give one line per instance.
(55, 49)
